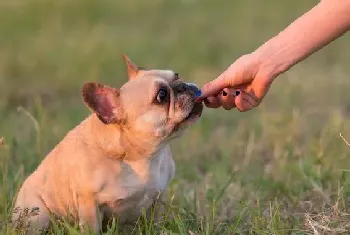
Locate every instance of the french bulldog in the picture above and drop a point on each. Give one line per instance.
(117, 161)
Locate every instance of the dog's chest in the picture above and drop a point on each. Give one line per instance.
(136, 186)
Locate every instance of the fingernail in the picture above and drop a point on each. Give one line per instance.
(224, 93)
(238, 92)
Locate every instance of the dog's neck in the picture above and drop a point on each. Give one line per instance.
(117, 141)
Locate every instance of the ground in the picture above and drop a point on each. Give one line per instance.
(282, 168)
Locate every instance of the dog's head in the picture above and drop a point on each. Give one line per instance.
(155, 103)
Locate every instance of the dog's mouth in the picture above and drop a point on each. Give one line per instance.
(194, 114)
(193, 91)
(191, 118)
(197, 107)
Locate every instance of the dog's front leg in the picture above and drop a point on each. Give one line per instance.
(88, 215)
(157, 209)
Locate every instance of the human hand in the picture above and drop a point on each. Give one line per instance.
(243, 85)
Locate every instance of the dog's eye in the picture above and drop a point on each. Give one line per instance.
(162, 95)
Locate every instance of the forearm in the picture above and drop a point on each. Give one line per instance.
(318, 27)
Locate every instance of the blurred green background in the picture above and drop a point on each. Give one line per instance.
(277, 169)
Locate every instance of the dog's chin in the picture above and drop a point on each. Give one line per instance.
(191, 118)
(194, 115)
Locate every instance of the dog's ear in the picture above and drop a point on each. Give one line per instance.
(104, 101)
(132, 69)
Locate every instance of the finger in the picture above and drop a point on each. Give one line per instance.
(260, 86)
(228, 79)
(227, 98)
(212, 102)
(212, 88)
(245, 102)
(250, 98)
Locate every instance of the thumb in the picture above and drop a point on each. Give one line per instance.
(214, 87)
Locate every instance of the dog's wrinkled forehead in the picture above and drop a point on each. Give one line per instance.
(167, 76)
(149, 81)
(139, 73)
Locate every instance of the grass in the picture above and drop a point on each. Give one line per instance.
(279, 169)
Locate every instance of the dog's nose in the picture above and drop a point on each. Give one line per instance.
(182, 87)
(194, 88)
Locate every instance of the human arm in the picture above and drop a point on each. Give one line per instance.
(254, 73)
(324, 23)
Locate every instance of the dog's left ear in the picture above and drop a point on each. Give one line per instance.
(104, 101)
(133, 69)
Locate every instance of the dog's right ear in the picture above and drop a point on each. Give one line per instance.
(104, 101)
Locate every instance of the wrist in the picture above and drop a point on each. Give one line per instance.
(269, 66)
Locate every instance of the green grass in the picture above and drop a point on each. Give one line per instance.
(279, 169)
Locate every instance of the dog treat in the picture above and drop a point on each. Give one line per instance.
(195, 88)
(198, 93)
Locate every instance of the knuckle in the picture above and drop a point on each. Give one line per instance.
(227, 106)
(227, 80)
(256, 103)
(211, 103)
(228, 102)
(240, 107)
